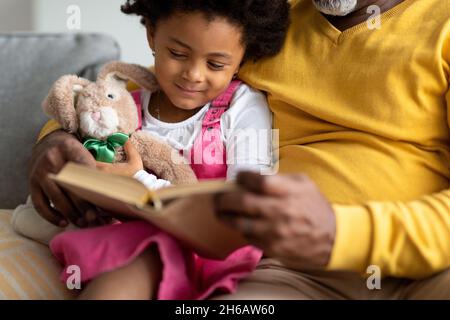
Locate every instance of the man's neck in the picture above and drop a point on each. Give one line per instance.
(360, 14)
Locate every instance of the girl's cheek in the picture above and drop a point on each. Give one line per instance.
(164, 69)
(171, 67)
(219, 82)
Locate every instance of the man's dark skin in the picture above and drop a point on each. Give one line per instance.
(285, 215)
(49, 156)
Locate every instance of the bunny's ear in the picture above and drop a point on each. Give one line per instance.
(60, 101)
(122, 72)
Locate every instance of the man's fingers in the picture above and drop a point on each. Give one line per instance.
(245, 204)
(252, 181)
(49, 156)
(60, 201)
(42, 205)
(105, 217)
(257, 231)
(84, 217)
(74, 151)
(251, 227)
(237, 203)
(276, 185)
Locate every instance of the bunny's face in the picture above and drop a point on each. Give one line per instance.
(104, 108)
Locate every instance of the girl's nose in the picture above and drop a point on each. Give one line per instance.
(194, 74)
(96, 115)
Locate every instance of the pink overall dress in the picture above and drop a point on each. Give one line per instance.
(185, 275)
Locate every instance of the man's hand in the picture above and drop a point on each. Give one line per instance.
(128, 168)
(284, 215)
(49, 156)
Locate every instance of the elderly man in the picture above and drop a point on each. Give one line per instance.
(361, 102)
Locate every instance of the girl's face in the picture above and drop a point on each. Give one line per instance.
(195, 59)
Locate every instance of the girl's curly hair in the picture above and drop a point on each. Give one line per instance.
(263, 23)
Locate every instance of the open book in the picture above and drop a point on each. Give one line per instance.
(185, 211)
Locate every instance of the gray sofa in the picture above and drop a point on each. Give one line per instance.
(29, 64)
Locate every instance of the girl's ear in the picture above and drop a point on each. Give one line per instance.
(150, 35)
(61, 100)
(121, 73)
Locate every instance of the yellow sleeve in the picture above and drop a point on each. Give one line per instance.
(131, 86)
(49, 127)
(405, 239)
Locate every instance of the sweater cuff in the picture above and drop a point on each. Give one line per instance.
(352, 246)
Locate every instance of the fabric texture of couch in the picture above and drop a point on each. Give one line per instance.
(28, 270)
(29, 64)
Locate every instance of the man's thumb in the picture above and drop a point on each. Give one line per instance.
(275, 185)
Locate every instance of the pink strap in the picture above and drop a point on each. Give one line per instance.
(208, 154)
(137, 99)
(220, 105)
(225, 98)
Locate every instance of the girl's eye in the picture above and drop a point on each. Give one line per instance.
(216, 66)
(177, 54)
(110, 96)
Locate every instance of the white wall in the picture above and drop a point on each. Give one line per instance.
(15, 15)
(102, 16)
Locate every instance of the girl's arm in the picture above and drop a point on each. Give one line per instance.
(150, 180)
(247, 132)
(133, 167)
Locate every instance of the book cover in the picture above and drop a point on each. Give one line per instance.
(184, 211)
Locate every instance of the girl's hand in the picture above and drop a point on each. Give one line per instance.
(129, 168)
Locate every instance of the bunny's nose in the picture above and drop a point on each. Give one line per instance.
(96, 116)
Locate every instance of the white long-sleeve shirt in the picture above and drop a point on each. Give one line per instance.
(245, 131)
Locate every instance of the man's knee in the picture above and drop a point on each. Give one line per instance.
(436, 287)
(262, 291)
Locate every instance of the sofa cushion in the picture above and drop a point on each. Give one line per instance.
(29, 64)
(27, 269)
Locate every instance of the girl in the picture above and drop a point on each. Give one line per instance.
(198, 47)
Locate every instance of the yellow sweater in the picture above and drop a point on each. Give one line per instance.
(365, 114)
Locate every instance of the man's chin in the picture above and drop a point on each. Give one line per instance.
(338, 8)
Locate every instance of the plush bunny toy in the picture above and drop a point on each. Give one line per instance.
(104, 116)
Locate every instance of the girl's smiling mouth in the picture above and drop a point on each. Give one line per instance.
(188, 92)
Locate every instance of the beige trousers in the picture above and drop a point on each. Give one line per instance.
(272, 281)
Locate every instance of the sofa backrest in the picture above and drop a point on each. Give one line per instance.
(29, 64)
